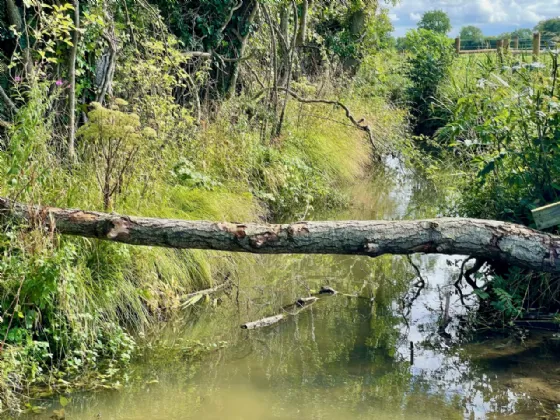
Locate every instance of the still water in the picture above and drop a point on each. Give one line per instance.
(381, 353)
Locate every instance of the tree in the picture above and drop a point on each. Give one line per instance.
(435, 20)
(523, 33)
(549, 26)
(472, 33)
(430, 60)
(401, 44)
(518, 246)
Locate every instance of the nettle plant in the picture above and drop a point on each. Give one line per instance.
(509, 129)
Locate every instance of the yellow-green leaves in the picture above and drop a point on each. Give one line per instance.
(112, 142)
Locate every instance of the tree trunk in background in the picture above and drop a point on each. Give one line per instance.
(293, 47)
(485, 239)
(106, 68)
(357, 28)
(72, 90)
(284, 45)
(302, 31)
(15, 19)
(243, 39)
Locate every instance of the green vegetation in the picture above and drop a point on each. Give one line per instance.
(165, 128)
(472, 33)
(200, 111)
(502, 134)
(436, 21)
(429, 63)
(549, 26)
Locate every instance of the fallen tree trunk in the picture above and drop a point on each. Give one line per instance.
(299, 305)
(261, 323)
(485, 239)
(195, 297)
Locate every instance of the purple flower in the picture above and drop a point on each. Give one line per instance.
(17, 79)
(59, 82)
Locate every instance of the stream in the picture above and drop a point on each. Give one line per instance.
(381, 355)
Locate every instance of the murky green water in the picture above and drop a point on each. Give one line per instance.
(379, 356)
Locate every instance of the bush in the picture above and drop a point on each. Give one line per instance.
(384, 75)
(503, 134)
(429, 62)
(507, 131)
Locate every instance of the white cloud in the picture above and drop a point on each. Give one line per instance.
(415, 17)
(394, 17)
(492, 16)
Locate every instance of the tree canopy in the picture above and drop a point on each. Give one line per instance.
(522, 33)
(435, 20)
(472, 33)
(549, 26)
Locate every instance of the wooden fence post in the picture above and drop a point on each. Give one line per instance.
(516, 43)
(536, 45)
(458, 45)
(505, 44)
(499, 45)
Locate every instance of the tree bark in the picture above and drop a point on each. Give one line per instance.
(288, 74)
(485, 239)
(243, 39)
(302, 29)
(261, 323)
(108, 72)
(9, 103)
(72, 90)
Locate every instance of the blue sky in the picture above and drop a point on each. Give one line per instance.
(492, 16)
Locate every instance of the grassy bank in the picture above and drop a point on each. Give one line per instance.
(70, 308)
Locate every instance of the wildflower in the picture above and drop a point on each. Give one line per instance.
(59, 82)
(17, 79)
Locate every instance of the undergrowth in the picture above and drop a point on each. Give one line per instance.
(71, 307)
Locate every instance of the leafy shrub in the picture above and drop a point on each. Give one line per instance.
(430, 60)
(290, 186)
(113, 142)
(503, 134)
(185, 173)
(384, 75)
(507, 129)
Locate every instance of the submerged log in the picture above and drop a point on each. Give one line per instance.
(302, 302)
(265, 322)
(327, 290)
(299, 305)
(485, 239)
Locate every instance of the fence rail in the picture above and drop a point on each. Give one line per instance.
(533, 46)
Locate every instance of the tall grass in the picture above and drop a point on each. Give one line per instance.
(70, 307)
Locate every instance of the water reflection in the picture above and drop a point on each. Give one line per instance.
(388, 353)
